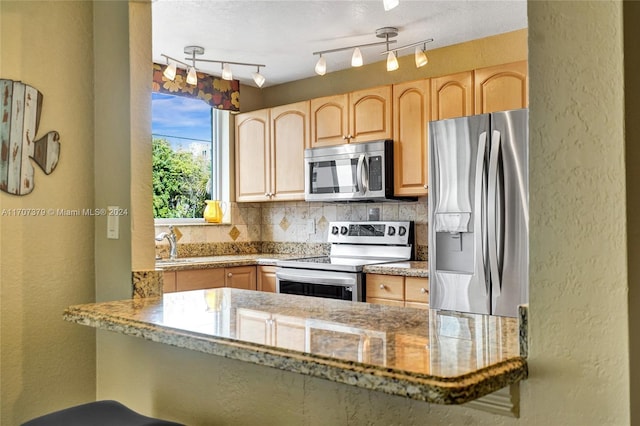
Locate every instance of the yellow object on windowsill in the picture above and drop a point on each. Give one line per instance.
(214, 211)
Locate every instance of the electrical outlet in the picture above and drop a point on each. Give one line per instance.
(311, 226)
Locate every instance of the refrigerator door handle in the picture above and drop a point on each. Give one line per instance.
(479, 221)
(362, 180)
(492, 214)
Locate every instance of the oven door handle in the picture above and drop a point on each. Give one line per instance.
(317, 277)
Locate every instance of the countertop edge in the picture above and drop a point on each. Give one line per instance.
(439, 390)
(407, 268)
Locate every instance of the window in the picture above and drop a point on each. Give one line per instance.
(187, 136)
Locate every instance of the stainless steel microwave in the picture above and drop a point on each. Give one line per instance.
(349, 172)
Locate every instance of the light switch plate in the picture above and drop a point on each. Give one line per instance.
(113, 223)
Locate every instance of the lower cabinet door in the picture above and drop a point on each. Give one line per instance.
(241, 277)
(196, 279)
(253, 326)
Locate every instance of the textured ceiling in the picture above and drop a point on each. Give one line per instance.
(284, 34)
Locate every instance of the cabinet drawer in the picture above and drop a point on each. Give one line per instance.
(196, 279)
(385, 286)
(416, 289)
(388, 302)
(169, 281)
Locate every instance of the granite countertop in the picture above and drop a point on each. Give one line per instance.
(224, 261)
(434, 356)
(408, 269)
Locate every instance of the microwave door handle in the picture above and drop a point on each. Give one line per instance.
(360, 179)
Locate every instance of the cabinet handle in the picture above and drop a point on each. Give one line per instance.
(423, 290)
(382, 286)
(426, 187)
(266, 194)
(230, 274)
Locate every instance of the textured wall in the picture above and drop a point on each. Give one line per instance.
(579, 342)
(47, 262)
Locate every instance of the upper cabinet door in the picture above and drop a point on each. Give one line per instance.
(252, 156)
(411, 114)
(370, 114)
(329, 120)
(501, 87)
(290, 136)
(452, 96)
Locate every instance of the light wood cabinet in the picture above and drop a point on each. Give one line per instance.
(253, 156)
(240, 277)
(370, 114)
(290, 136)
(396, 290)
(359, 116)
(452, 96)
(411, 114)
(198, 279)
(501, 88)
(270, 329)
(168, 281)
(416, 292)
(329, 120)
(266, 278)
(270, 146)
(412, 352)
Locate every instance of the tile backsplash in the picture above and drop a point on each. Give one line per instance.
(294, 222)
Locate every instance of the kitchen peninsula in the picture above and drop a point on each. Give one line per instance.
(434, 356)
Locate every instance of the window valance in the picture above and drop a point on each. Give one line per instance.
(219, 93)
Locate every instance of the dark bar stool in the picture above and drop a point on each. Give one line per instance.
(99, 413)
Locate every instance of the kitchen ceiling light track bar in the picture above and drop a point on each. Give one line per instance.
(392, 61)
(340, 49)
(170, 70)
(417, 43)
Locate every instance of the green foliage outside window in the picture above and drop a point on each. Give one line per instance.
(180, 182)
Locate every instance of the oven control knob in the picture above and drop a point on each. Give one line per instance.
(343, 230)
(392, 230)
(402, 230)
(334, 230)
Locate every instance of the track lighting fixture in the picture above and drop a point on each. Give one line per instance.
(392, 60)
(258, 78)
(356, 59)
(192, 77)
(321, 65)
(170, 70)
(226, 72)
(420, 57)
(390, 4)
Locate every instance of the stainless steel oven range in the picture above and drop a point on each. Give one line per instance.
(353, 245)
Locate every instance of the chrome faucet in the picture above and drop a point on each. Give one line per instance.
(173, 241)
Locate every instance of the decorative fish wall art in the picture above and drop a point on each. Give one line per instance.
(20, 109)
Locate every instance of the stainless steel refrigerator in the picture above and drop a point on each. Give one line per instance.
(479, 213)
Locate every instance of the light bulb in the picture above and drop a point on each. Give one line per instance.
(392, 62)
(321, 66)
(170, 71)
(258, 78)
(390, 4)
(356, 59)
(226, 72)
(421, 57)
(192, 78)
